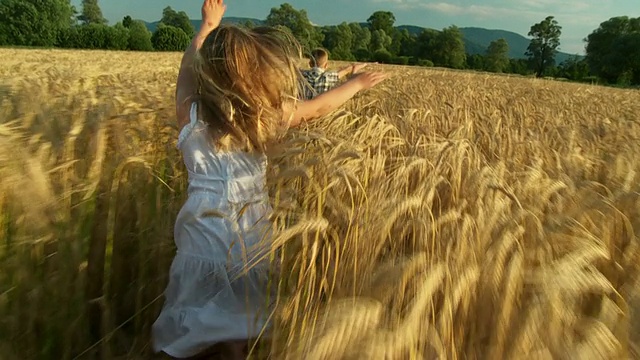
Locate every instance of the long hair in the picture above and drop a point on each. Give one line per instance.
(245, 80)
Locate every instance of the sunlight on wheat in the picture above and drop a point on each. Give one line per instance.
(442, 215)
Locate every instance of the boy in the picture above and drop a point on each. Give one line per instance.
(319, 79)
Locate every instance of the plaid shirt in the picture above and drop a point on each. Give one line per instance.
(318, 81)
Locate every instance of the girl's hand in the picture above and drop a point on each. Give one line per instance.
(212, 12)
(367, 80)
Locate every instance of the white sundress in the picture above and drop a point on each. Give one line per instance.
(216, 231)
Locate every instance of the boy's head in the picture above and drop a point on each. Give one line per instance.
(245, 79)
(319, 58)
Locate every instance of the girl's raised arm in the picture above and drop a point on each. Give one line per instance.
(186, 87)
(329, 101)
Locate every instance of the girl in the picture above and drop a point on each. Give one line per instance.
(236, 92)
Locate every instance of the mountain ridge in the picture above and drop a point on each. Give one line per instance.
(476, 39)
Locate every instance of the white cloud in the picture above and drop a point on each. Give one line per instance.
(527, 9)
(480, 12)
(445, 8)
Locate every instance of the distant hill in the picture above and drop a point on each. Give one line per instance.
(476, 39)
(517, 43)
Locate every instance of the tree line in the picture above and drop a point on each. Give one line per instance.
(612, 50)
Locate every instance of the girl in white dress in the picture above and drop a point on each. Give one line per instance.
(236, 92)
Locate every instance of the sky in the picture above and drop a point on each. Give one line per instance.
(577, 18)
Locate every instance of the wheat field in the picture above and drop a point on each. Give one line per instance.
(442, 215)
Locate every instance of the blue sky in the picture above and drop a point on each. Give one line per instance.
(577, 18)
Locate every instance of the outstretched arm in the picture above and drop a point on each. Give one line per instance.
(350, 70)
(186, 87)
(329, 101)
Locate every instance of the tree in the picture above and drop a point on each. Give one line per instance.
(449, 48)
(574, 68)
(519, 66)
(612, 50)
(497, 59)
(629, 47)
(127, 21)
(179, 20)
(382, 20)
(298, 22)
(169, 38)
(361, 37)
(338, 40)
(543, 47)
(379, 41)
(139, 37)
(477, 62)
(249, 24)
(34, 22)
(382, 56)
(362, 55)
(91, 13)
(117, 37)
(426, 44)
(96, 36)
(403, 43)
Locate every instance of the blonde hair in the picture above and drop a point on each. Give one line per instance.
(246, 78)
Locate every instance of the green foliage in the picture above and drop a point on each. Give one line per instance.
(91, 13)
(283, 28)
(519, 66)
(249, 24)
(339, 40)
(426, 44)
(404, 43)
(362, 55)
(449, 48)
(179, 20)
(384, 36)
(383, 21)
(298, 22)
(96, 36)
(139, 37)
(477, 62)
(379, 41)
(382, 56)
(117, 37)
(544, 46)
(425, 63)
(361, 38)
(443, 48)
(497, 59)
(67, 38)
(613, 50)
(574, 68)
(127, 21)
(170, 38)
(34, 22)
(400, 60)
